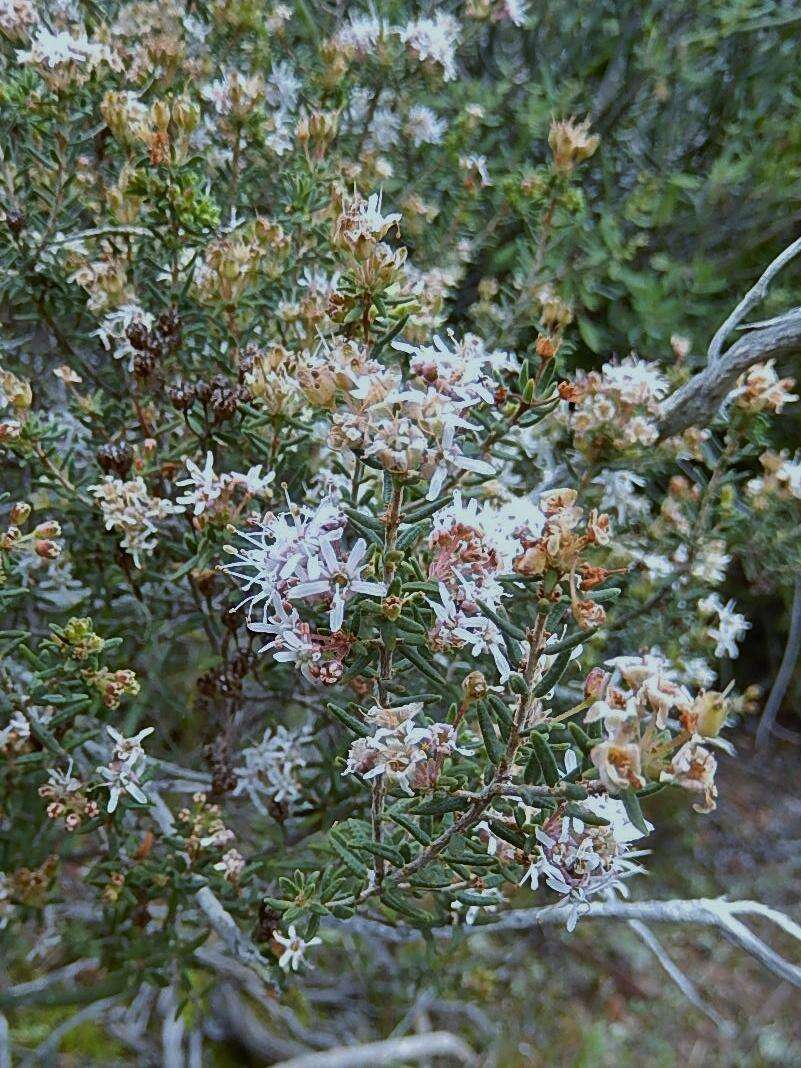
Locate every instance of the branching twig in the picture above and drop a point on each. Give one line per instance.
(25, 992)
(238, 944)
(47, 1052)
(707, 912)
(696, 402)
(751, 299)
(242, 1024)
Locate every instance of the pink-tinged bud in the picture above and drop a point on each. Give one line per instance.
(595, 684)
(48, 550)
(331, 672)
(50, 529)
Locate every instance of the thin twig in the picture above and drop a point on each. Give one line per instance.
(47, 1052)
(236, 941)
(697, 401)
(786, 669)
(24, 991)
(682, 981)
(751, 299)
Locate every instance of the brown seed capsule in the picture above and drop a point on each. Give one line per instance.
(182, 396)
(223, 399)
(240, 665)
(268, 923)
(203, 390)
(168, 329)
(115, 459)
(207, 683)
(138, 335)
(205, 580)
(15, 220)
(143, 364)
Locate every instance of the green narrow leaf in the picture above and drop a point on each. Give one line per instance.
(547, 761)
(553, 674)
(492, 743)
(633, 811)
(348, 720)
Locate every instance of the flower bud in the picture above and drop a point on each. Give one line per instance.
(48, 529)
(391, 608)
(20, 513)
(595, 684)
(571, 143)
(160, 114)
(10, 538)
(185, 114)
(47, 549)
(474, 686)
(17, 390)
(711, 708)
(545, 347)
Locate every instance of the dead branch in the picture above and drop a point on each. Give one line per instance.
(754, 296)
(236, 941)
(707, 912)
(682, 981)
(413, 1047)
(697, 401)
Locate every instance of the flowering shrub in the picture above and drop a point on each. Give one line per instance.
(339, 578)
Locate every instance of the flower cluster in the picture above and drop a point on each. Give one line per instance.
(760, 389)
(132, 511)
(579, 860)
(729, 627)
(271, 769)
(208, 492)
(780, 480)
(640, 705)
(204, 830)
(299, 555)
(401, 751)
(616, 406)
(121, 776)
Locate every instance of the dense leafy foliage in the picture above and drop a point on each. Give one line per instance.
(348, 569)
